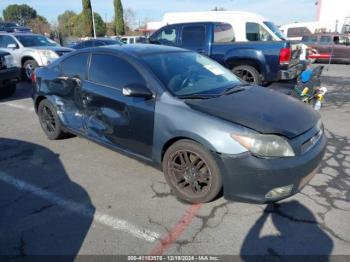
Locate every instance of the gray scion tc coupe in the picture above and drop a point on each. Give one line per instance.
(208, 131)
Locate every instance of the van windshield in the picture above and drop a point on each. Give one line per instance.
(275, 30)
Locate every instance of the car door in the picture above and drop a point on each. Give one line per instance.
(341, 48)
(112, 118)
(195, 37)
(67, 87)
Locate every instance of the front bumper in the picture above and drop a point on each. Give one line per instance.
(9, 76)
(291, 73)
(248, 178)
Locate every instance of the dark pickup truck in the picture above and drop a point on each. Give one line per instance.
(9, 75)
(253, 61)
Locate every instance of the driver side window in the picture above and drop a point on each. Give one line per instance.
(256, 32)
(167, 36)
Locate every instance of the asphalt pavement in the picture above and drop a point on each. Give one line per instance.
(74, 197)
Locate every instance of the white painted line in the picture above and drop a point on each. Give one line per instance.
(104, 219)
(18, 106)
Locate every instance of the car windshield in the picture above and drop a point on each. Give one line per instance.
(35, 40)
(275, 30)
(189, 73)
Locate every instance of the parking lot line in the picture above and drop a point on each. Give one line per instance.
(168, 240)
(104, 219)
(18, 106)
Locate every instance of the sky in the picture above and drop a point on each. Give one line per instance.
(278, 11)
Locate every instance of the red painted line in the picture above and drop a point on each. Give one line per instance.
(169, 239)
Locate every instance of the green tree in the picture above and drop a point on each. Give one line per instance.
(39, 25)
(87, 18)
(65, 23)
(20, 14)
(119, 17)
(100, 25)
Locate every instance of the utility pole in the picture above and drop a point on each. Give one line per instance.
(93, 20)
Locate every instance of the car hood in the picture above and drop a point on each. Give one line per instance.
(261, 109)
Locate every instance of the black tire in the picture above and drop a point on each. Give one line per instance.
(183, 180)
(247, 73)
(7, 91)
(28, 65)
(49, 121)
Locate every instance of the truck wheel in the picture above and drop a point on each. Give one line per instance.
(191, 172)
(49, 121)
(247, 73)
(7, 91)
(28, 68)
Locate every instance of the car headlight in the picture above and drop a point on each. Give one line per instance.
(48, 56)
(265, 145)
(8, 61)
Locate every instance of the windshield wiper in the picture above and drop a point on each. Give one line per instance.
(236, 89)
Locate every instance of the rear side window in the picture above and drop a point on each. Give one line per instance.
(298, 31)
(132, 41)
(193, 35)
(255, 32)
(75, 66)
(112, 71)
(223, 33)
(309, 39)
(325, 39)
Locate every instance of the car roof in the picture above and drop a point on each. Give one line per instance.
(140, 49)
(19, 33)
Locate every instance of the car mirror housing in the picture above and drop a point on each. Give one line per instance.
(137, 90)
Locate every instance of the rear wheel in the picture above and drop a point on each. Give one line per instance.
(192, 172)
(49, 121)
(7, 91)
(247, 73)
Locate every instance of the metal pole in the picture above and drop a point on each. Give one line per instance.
(93, 20)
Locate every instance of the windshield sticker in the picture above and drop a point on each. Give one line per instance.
(215, 70)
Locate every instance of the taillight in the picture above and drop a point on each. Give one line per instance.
(285, 55)
(33, 77)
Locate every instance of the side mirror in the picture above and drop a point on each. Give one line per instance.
(137, 90)
(12, 46)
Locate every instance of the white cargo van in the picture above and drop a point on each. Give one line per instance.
(244, 24)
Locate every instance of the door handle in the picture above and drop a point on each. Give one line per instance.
(200, 50)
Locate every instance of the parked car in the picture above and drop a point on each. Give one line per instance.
(9, 75)
(259, 60)
(133, 39)
(96, 42)
(337, 45)
(10, 27)
(31, 50)
(186, 114)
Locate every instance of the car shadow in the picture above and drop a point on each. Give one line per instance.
(40, 207)
(298, 234)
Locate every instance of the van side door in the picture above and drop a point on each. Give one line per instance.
(196, 37)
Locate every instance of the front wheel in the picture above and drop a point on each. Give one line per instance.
(28, 69)
(192, 172)
(248, 73)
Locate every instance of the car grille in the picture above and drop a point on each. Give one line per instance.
(61, 53)
(310, 143)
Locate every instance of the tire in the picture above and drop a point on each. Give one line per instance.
(28, 66)
(7, 91)
(197, 180)
(247, 73)
(49, 121)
